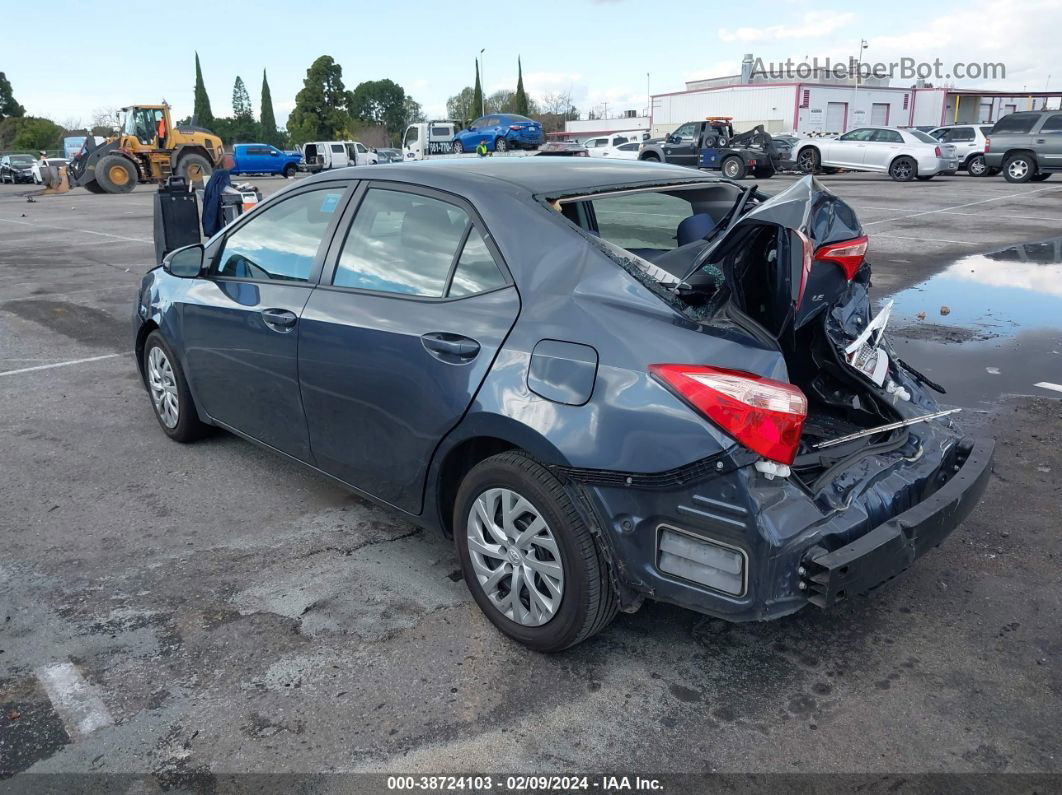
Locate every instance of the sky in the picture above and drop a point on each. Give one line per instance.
(598, 50)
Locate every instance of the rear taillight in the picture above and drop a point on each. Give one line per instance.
(988, 144)
(849, 254)
(516, 126)
(936, 151)
(764, 415)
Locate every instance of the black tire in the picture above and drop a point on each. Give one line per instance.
(458, 147)
(809, 160)
(1038, 177)
(194, 168)
(903, 169)
(1019, 168)
(763, 172)
(116, 174)
(93, 187)
(188, 427)
(501, 144)
(289, 171)
(588, 601)
(651, 157)
(921, 178)
(733, 168)
(977, 167)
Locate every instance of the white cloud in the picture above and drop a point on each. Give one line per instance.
(815, 25)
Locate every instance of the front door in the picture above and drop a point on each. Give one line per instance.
(681, 145)
(413, 306)
(241, 320)
(849, 150)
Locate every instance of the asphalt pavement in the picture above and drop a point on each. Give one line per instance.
(184, 612)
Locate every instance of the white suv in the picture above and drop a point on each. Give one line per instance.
(969, 143)
(902, 154)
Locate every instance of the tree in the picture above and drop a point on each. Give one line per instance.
(320, 107)
(269, 120)
(501, 101)
(201, 109)
(477, 96)
(105, 117)
(413, 112)
(241, 100)
(520, 104)
(459, 107)
(29, 133)
(8, 106)
(381, 102)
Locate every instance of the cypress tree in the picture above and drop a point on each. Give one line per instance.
(477, 95)
(269, 120)
(201, 109)
(521, 96)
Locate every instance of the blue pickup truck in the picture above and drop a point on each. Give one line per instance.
(264, 159)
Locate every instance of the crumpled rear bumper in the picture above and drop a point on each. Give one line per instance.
(891, 547)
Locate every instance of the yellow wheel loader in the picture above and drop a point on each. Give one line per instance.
(148, 147)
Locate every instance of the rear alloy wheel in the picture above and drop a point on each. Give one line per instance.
(903, 169)
(116, 174)
(531, 563)
(501, 145)
(808, 160)
(1019, 168)
(650, 157)
(170, 397)
(458, 148)
(734, 168)
(976, 166)
(289, 171)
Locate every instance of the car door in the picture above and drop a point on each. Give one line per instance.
(681, 146)
(1048, 141)
(240, 321)
(879, 151)
(413, 306)
(848, 150)
(964, 139)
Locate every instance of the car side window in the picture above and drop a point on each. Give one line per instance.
(686, 130)
(1052, 123)
(619, 140)
(1018, 123)
(857, 135)
(281, 242)
(401, 243)
(476, 270)
(337, 148)
(960, 134)
(887, 137)
(641, 220)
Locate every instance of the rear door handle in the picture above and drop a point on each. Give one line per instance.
(1041, 140)
(279, 319)
(450, 348)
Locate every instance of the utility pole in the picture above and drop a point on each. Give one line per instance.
(648, 100)
(859, 76)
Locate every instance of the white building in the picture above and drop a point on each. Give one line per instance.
(581, 129)
(826, 105)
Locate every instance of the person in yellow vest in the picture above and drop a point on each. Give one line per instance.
(481, 149)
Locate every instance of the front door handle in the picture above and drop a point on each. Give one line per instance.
(279, 319)
(450, 348)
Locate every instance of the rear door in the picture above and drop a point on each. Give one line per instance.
(413, 306)
(241, 320)
(879, 151)
(1048, 141)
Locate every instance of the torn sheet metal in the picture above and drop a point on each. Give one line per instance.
(863, 353)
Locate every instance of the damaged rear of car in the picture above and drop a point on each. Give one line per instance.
(836, 468)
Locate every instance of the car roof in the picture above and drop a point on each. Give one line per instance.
(534, 175)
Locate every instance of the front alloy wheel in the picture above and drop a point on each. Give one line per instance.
(515, 557)
(977, 166)
(163, 386)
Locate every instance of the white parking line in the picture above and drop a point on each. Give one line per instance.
(66, 294)
(60, 364)
(76, 701)
(1049, 385)
(80, 231)
(927, 239)
(960, 206)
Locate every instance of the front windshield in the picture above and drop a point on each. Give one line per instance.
(127, 121)
(21, 159)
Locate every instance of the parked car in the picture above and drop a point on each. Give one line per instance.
(969, 143)
(621, 152)
(325, 155)
(606, 381)
(500, 131)
(51, 161)
(16, 168)
(387, 155)
(711, 143)
(600, 143)
(562, 149)
(264, 159)
(1026, 146)
(902, 154)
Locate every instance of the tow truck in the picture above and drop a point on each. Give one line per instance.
(712, 144)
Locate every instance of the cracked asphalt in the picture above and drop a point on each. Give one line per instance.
(233, 613)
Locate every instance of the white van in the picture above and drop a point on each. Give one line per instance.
(323, 155)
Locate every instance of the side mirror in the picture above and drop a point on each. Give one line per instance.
(185, 263)
(673, 139)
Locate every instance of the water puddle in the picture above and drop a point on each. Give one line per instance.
(987, 325)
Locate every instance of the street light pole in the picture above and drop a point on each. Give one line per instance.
(859, 76)
(483, 84)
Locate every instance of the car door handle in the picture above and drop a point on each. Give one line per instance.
(450, 348)
(279, 319)
(1041, 140)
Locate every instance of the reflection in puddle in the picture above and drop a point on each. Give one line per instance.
(1001, 332)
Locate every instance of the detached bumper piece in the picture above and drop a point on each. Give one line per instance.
(887, 550)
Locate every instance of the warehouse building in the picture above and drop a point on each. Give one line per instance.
(826, 104)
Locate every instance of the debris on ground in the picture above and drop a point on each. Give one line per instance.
(944, 310)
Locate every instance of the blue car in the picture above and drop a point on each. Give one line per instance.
(605, 381)
(264, 159)
(500, 131)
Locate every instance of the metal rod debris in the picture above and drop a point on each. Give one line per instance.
(880, 428)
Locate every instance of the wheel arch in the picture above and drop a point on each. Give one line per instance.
(903, 156)
(1022, 151)
(141, 338)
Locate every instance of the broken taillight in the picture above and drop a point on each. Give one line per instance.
(849, 254)
(988, 144)
(764, 415)
(936, 151)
